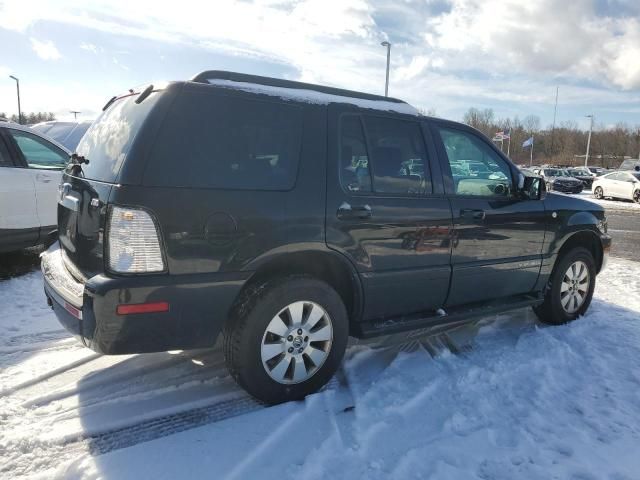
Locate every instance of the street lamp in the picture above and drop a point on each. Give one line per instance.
(18, 88)
(75, 113)
(386, 85)
(586, 157)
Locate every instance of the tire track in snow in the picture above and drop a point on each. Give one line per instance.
(49, 374)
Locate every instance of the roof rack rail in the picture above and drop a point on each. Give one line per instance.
(204, 77)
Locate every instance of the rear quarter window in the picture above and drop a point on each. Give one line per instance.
(212, 140)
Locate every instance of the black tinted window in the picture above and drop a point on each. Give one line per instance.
(398, 158)
(476, 169)
(217, 141)
(354, 160)
(110, 137)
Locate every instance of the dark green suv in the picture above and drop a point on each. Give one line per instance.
(287, 216)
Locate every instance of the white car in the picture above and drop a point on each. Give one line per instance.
(30, 171)
(618, 185)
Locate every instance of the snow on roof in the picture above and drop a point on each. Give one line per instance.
(315, 97)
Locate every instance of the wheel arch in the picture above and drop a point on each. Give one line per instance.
(586, 239)
(326, 265)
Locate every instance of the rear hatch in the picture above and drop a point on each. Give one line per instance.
(86, 184)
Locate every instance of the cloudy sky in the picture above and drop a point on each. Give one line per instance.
(447, 55)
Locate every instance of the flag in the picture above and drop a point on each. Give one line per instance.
(527, 143)
(502, 135)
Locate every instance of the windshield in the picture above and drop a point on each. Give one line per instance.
(579, 171)
(636, 175)
(555, 172)
(108, 140)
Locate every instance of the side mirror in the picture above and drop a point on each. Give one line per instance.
(532, 188)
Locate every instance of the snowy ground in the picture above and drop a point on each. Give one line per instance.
(527, 402)
(611, 204)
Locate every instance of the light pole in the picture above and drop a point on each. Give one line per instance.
(75, 114)
(586, 157)
(18, 87)
(386, 84)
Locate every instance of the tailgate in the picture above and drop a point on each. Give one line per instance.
(81, 222)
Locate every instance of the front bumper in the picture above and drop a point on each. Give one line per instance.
(577, 188)
(605, 240)
(199, 306)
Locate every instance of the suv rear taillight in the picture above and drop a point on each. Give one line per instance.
(133, 243)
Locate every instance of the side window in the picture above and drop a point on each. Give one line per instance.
(354, 160)
(215, 141)
(37, 152)
(398, 157)
(475, 167)
(5, 158)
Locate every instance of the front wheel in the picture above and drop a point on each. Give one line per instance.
(598, 193)
(287, 339)
(636, 196)
(570, 288)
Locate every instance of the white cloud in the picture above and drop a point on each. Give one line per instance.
(89, 47)
(443, 52)
(45, 50)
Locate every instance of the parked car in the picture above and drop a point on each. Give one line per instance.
(30, 172)
(281, 215)
(597, 171)
(630, 164)
(584, 175)
(65, 133)
(625, 185)
(559, 180)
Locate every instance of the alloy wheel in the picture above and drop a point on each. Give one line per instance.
(598, 192)
(296, 342)
(636, 196)
(575, 286)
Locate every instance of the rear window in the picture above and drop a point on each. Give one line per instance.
(217, 141)
(110, 137)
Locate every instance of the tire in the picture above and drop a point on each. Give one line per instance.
(598, 193)
(284, 313)
(636, 196)
(559, 307)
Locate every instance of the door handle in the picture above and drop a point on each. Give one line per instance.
(472, 213)
(346, 211)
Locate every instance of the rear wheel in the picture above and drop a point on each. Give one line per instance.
(598, 193)
(287, 339)
(570, 288)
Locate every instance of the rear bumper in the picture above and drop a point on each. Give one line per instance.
(198, 307)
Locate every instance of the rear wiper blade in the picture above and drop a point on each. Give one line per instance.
(108, 104)
(144, 94)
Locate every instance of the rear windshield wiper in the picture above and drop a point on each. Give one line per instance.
(108, 104)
